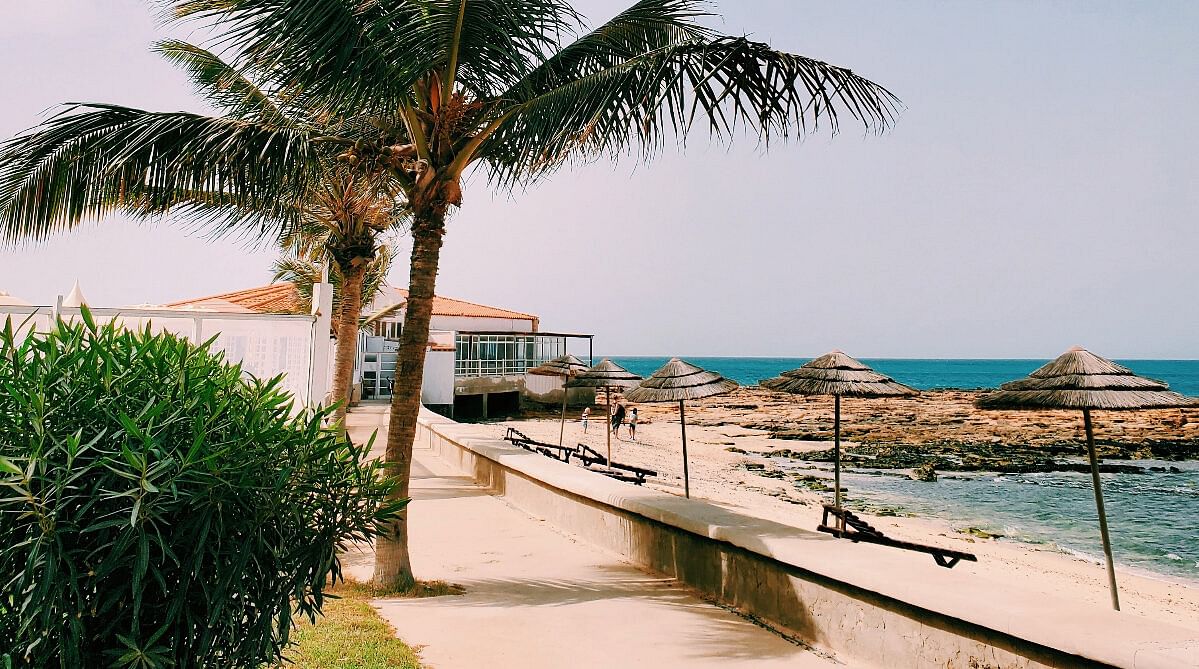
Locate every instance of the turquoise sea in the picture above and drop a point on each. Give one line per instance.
(1154, 517)
(1182, 375)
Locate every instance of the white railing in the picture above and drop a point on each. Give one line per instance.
(503, 354)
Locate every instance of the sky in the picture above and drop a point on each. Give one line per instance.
(1040, 190)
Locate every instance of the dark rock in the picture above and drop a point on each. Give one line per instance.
(980, 533)
(925, 472)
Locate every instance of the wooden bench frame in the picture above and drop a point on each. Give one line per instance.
(588, 456)
(591, 457)
(860, 530)
(554, 451)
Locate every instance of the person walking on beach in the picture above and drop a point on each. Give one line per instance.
(617, 419)
(586, 415)
(633, 424)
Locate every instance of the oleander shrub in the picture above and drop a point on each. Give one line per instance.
(159, 508)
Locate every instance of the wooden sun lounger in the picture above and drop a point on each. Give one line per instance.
(855, 529)
(591, 459)
(554, 451)
(596, 461)
(619, 475)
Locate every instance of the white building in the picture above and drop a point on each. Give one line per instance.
(476, 359)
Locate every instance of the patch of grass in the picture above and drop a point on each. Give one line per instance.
(350, 635)
(418, 590)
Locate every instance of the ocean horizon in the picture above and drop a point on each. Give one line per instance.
(921, 373)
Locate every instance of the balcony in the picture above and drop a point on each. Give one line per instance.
(497, 354)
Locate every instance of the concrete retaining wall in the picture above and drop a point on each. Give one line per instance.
(864, 604)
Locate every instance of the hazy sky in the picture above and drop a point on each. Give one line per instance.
(1040, 190)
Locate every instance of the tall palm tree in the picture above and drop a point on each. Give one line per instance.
(517, 87)
(347, 222)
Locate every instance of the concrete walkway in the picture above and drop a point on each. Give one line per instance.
(536, 597)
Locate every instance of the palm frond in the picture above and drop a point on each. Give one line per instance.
(499, 41)
(382, 313)
(303, 270)
(647, 26)
(223, 85)
(724, 83)
(94, 159)
(344, 54)
(368, 56)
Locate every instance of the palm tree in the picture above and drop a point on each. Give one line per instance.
(517, 87)
(303, 264)
(305, 269)
(347, 222)
(326, 210)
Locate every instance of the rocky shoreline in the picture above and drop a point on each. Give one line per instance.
(942, 431)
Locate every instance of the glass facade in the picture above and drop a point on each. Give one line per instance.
(502, 354)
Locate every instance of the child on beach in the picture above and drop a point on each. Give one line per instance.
(586, 415)
(617, 419)
(633, 424)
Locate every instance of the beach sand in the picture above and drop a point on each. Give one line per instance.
(719, 476)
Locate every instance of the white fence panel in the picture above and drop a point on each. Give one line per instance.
(266, 345)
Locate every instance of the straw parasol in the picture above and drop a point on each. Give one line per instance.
(680, 381)
(606, 375)
(1079, 379)
(838, 375)
(565, 366)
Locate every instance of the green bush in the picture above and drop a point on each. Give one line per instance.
(159, 508)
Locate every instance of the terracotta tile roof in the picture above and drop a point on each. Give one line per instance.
(446, 306)
(276, 298)
(283, 298)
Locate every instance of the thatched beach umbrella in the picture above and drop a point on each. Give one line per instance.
(838, 375)
(680, 381)
(606, 375)
(564, 366)
(1079, 379)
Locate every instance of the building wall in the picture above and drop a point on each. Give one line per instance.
(438, 386)
(464, 323)
(545, 389)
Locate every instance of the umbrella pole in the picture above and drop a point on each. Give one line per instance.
(837, 454)
(562, 426)
(686, 474)
(608, 421)
(1107, 542)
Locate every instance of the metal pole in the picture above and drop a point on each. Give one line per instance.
(608, 421)
(562, 427)
(686, 474)
(1107, 542)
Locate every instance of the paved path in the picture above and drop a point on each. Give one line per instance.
(537, 598)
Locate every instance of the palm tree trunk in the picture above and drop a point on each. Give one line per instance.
(393, 567)
(348, 314)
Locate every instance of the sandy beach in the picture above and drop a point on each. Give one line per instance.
(749, 421)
